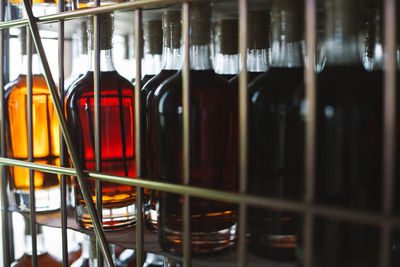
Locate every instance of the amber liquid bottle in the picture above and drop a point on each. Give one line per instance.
(226, 61)
(171, 64)
(43, 257)
(117, 135)
(276, 143)
(349, 142)
(258, 46)
(213, 130)
(45, 130)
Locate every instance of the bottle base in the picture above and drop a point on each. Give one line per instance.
(113, 218)
(201, 243)
(45, 200)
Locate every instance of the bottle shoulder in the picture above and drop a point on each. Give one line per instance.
(18, 88)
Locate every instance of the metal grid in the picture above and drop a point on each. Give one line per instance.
(385, 220)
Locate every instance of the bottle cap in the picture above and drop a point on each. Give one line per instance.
(258, 29)
(171, 25)
(152, 35)
(105, 29)
(200, 22)
(287, 19)
(342, 14)
(227, 36)
(84, 37)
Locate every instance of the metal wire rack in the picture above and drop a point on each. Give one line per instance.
(385, 220)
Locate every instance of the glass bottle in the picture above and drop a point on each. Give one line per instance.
(214, 155)
(226, 62)
(171, 64)
(45, 130)
(80, 64)
(276, 143)
(258, 46)
(43, 257)
(117, 135)
(349, 141)
(152, 35)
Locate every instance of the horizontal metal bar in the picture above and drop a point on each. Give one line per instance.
(90, 11)
(362, 217)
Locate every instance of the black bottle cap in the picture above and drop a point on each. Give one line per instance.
(171, 24)
(84, 37)
(227, 36)
(152, 35)
(22, 38)
(258, 29)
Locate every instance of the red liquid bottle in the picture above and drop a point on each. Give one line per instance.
(276, 144)
(213, 130)
(171, 64)
(117, 135)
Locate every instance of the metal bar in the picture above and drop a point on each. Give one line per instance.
(310, 135)
(126, 6)
(138, 136)
(243, 131)
(68, 140)
(186, 132)
(389, 126)
(32, 200)
(6, 240)
(97, 121)
(63, 182)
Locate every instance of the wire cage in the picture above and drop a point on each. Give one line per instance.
(385, 220)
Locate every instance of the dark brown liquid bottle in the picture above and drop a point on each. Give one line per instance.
(258, 46)
(226, 61)
(276, 143)
(213, 130)
(117, 135)
(171, 64)
(349, 142)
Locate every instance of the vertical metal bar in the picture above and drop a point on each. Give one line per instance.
(389, 120)
(63, 182)
(29, 85)
(186, 131)
(67, 136)
(97, 121)
(243, 130)
(4, 200)
(310, 137)
(138, 136)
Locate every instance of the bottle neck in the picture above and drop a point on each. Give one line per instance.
(151, 64)
(36, 65)
(287, 54)
(171, 58)
(106, 61)
(226, 63)
(200, 57)
(342, 44)
(258, 60)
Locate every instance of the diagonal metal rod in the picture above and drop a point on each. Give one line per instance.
(98, 229)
